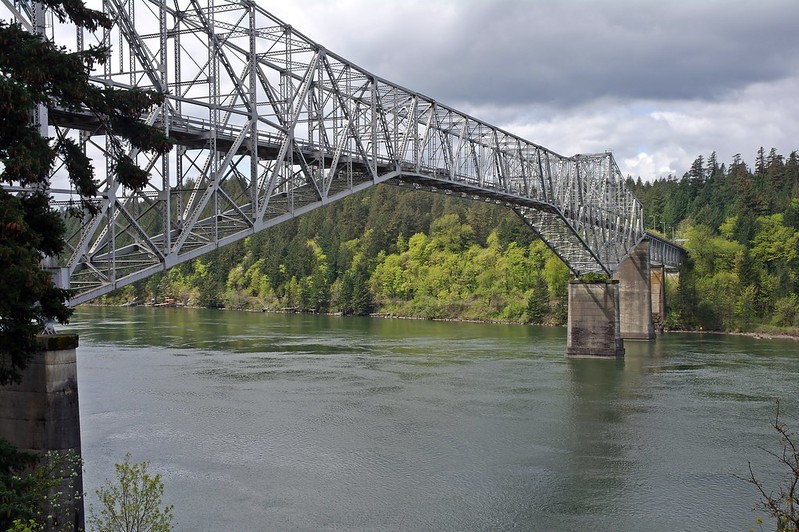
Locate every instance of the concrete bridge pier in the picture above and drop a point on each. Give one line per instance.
(41, 413)
(635, 295)
(593, 328)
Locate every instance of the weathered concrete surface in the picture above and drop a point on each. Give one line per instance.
(635, 295)
(657, 275)
(41, 413)
(593, 326)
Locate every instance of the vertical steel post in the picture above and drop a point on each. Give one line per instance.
(178, 104)
(166, 193)
(253, 109)
(213, 100)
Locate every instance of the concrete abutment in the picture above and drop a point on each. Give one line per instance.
(41, 413)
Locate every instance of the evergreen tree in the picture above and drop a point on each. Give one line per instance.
(712, 165)
(791, 216)
(34, 72)
(345, 292)
(760, 162)
(360, 301)
(696, 175)
(791, 185)
(538, 304)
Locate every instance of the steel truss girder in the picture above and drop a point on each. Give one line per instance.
(662, 252)
(270, 125)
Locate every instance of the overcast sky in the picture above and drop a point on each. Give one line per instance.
(656, 82)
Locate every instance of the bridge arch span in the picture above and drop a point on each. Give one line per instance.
(268, 125)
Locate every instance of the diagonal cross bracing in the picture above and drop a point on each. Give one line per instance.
(270, 125)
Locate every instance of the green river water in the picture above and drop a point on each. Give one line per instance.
(294, 422)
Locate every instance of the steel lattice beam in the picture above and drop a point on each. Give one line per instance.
(270, 125)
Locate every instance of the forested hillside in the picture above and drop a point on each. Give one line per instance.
(740, 226)
(408, 253)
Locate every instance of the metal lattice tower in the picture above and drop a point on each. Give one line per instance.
(269, 125)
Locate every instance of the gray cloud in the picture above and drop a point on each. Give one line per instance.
(657, 82)
(534, 52)
(563, 53)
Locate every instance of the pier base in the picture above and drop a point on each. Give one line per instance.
(593, 326)
(41, 413)
(635, 295)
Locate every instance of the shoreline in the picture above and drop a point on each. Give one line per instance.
(755, 335)
(750, 334)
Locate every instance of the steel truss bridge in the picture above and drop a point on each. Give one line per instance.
(269, 125)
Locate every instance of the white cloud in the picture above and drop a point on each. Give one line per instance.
(667, 138)
(647, 164)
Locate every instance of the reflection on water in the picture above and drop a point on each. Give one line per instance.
(260, 421)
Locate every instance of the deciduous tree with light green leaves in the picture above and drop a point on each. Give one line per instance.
(134, 503)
